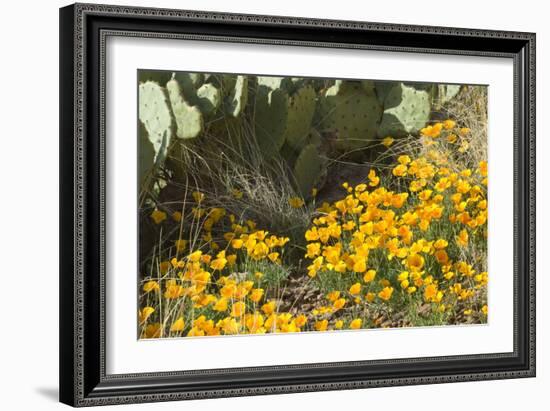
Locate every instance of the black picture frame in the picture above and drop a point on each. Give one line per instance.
(83, 30)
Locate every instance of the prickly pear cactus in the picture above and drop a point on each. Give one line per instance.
(281, 118)
(189, 120)
(274, 82)
(352, 111)
(406, 110)
(158, 76)
(154, 113)
(208, 98)
(382, 88)
(238, 97)
(146, 155)
(198, 92)
(446, 92)
(301, 107)
(270, 117)
(308, 169)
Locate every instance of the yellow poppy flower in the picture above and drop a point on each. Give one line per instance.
(238, 309)
(256, 294)
(144, 313)
(151, 286)
(355, 289)
(386, 293)
(321, 325)
(158, 216)
(296, 202)
(153, 330)
(387, 141)
(369, 276)
(178, 325)
(462, 238)
(269, 307)
(339, 303)
(198, 196)
(218, 263)
(355, 324)
(449, 124)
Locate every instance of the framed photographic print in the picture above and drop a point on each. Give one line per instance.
(258, 205)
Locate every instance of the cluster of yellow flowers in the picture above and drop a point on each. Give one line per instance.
(379, 249)
(219, 291)
(410, 240)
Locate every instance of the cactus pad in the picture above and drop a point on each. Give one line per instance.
(154, 113)
(271, 112)
(406, 110)
(446, 92)
(301, 107)
(308, 169)
(238, 97)
(352, 112)
(189, 120)
(209, 98)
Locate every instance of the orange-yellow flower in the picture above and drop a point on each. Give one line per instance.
(387, 141)
(238, 309)
(400, 170)
(355, 324)
(462, 238)
(449, 124)
(178, 325)
(300, 320)
(151, 286)
(415, 262)
(158, 216)
(144, 313)
(321, 325)
(339, 303)
(256, 294)
(219, 263)
(386, 293)
(221, 304)
(374, 180)
(355, 289)
(296, 202)
(153, 330)
(198, 196)
(269, 307)
(369, 276)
